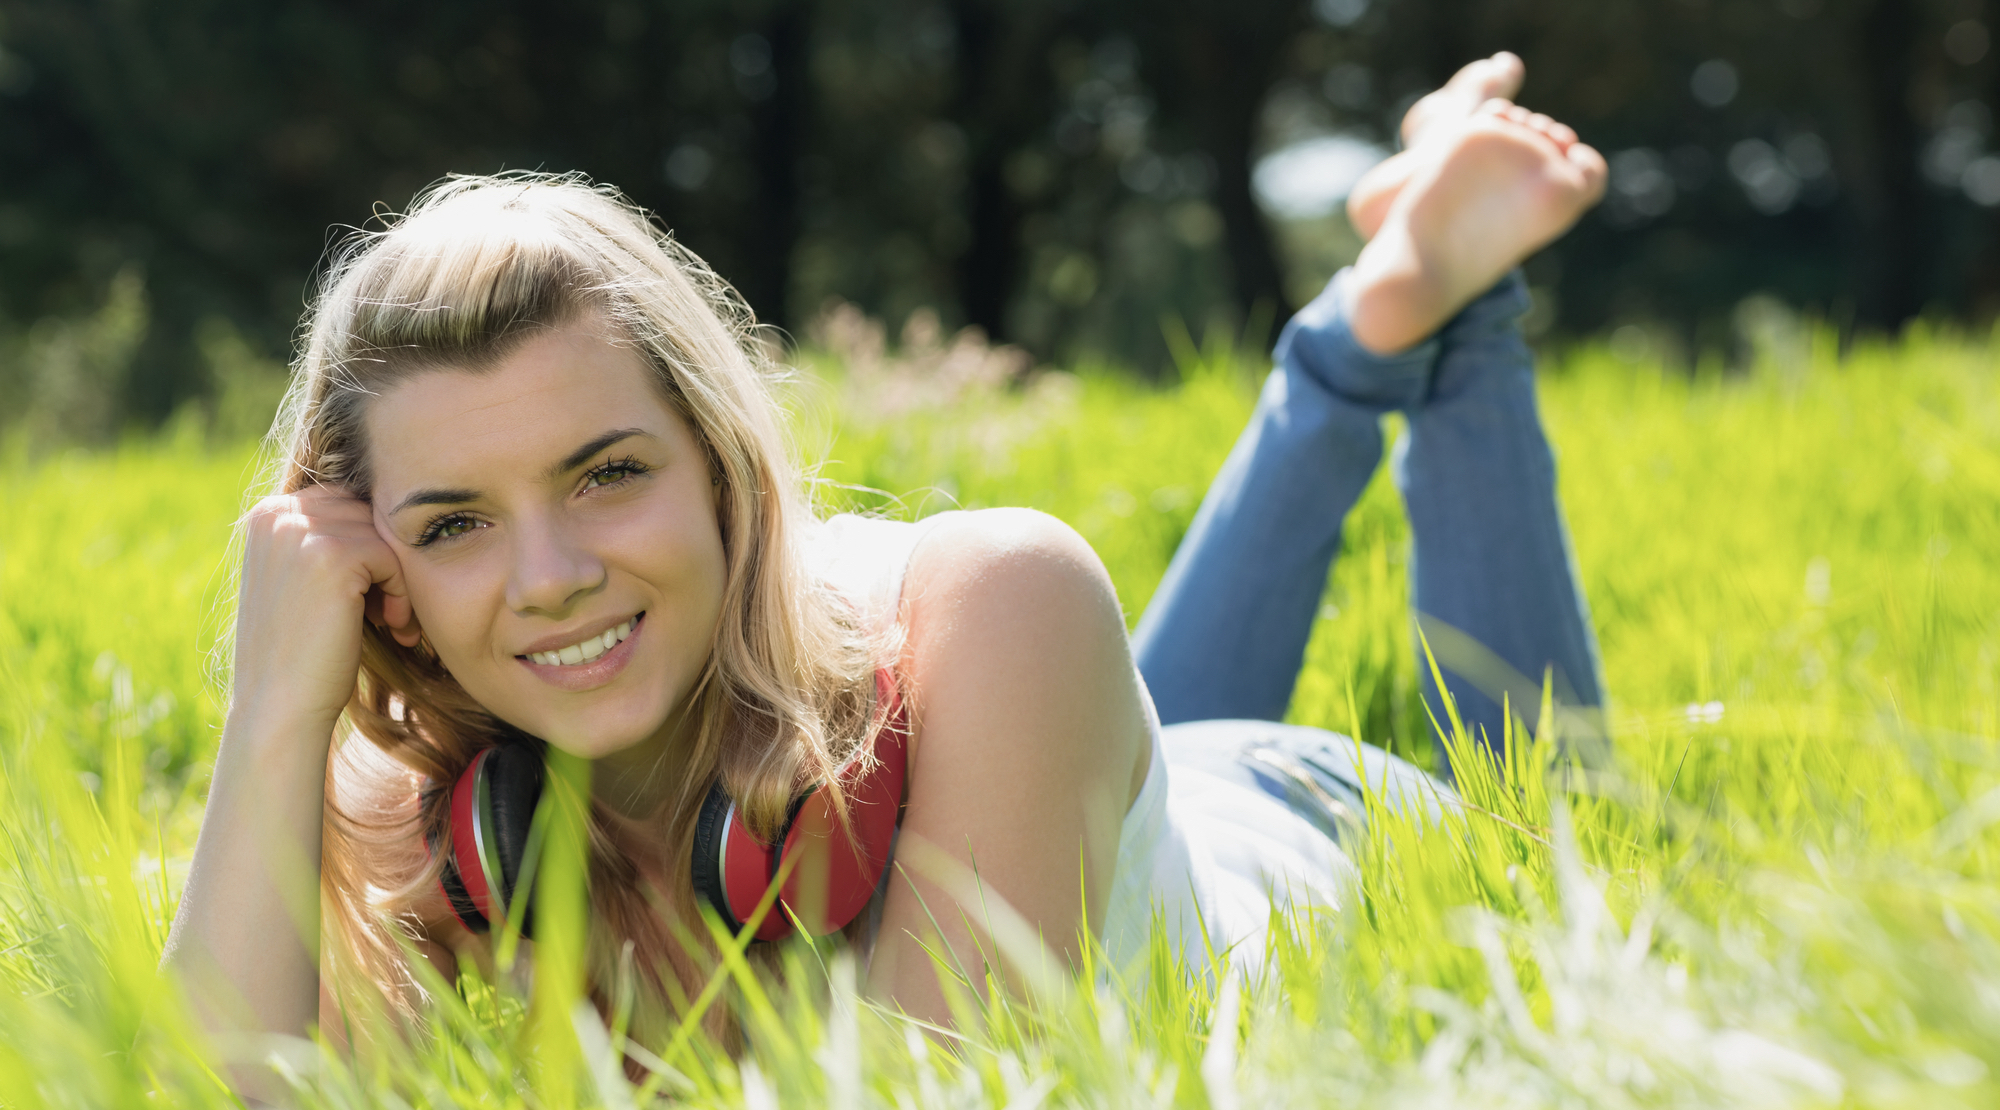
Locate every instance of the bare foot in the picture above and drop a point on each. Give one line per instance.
(1369, 202)
(1495, 78)
(1493, 190)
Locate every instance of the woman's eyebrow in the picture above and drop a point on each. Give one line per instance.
(582, 454)
(435, 497)
(570, 462)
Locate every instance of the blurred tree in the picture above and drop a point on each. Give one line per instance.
(1063, 173)
(1004, 100)
(1213, 62)
(1821, 150)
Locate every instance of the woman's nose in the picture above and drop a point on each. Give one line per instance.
(551, 570)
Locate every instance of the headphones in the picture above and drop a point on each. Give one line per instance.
(835, 867)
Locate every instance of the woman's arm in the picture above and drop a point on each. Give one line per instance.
(1031, 742)
(246, 938)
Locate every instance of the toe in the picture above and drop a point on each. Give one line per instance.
(1471, 77)
(1499, 75)
(1555, 130)
(1469, 90)
(1590, 167)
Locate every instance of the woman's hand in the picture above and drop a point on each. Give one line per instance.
(313, 569)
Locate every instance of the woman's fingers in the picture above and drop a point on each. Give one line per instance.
(391, 604)
(314, 570)
(392, 612)
(388, 598)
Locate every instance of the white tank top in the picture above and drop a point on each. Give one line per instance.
(1209, 855)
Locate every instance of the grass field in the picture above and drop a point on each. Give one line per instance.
(1782, 892)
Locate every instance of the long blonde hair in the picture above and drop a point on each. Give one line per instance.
(476, 266)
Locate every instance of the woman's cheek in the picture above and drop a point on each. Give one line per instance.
(704, 578)
(442, 611)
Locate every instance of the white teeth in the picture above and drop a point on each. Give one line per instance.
(585, 651)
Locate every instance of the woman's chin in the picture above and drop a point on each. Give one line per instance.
(612, 730)
(601, 743)
(591, 726)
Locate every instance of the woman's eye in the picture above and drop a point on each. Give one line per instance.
(612, 473)
(447, 527)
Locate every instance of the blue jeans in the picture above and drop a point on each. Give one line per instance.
(1493, 581)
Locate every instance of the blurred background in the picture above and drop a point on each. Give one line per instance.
(1081, 178)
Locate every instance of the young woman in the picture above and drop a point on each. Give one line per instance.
(534, 486)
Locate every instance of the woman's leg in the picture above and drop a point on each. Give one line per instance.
(1225, 634)
(1226, 631)
(1493, 580)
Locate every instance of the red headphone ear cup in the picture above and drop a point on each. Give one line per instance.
(464, 878)
(841, 864)
(452, 883)
(747, 867)
(732, 869)
(492, 811)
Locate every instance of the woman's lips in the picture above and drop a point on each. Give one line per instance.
(597, 672)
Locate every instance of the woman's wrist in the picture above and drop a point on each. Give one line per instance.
(276, 736)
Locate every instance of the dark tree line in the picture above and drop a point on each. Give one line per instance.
(1062, 173)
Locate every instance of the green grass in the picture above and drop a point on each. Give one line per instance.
(1781, 892)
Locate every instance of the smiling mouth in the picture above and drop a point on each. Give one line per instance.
(586, 650)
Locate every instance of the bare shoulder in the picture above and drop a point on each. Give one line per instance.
(1030, 740)
(1012, 551)
(1010, 611)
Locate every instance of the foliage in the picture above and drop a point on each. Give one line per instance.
(1781, 893)
(1061, 174)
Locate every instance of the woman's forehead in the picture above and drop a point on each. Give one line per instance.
(516, 416)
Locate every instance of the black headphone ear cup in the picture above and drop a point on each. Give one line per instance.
(514, 787)
(705, 870)
(462, 905)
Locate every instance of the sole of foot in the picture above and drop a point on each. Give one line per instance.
(1496, 78)
(1493, 190)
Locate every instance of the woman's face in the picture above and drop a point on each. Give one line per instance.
(556, 524)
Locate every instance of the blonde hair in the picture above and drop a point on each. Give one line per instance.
(476, 266)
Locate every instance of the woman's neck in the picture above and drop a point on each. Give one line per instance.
(637, 783)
